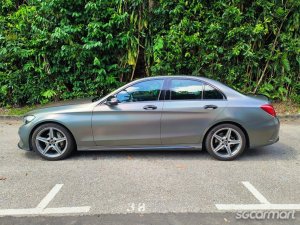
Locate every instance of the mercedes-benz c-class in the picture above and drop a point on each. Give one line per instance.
(165, 113)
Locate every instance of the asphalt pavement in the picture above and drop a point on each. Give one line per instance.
(148, 187)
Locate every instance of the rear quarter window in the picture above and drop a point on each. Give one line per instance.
(211, 93)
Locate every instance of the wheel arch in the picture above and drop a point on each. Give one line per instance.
(227, 122)
(45, 122)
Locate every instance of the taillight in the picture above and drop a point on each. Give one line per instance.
(269, 109)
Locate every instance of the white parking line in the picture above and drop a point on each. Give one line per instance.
(265, 204)
(255, 192)
(258, 206)
(43, 204)
(41, 208)
(66, 210)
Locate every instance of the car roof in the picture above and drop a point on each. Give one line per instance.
(211, 81)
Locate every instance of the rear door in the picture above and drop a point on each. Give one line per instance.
(134, 121)
(190, 107)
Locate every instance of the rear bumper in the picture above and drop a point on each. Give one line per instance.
(265, 133)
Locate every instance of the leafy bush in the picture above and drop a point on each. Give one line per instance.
(253, 46)
(55, 49)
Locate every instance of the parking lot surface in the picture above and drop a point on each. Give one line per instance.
(175, 187)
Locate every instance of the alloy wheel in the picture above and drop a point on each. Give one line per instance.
(51, 142)
(226, 142)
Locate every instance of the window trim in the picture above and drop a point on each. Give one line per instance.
(168, 90)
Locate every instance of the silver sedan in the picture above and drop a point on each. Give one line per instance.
(166, 112)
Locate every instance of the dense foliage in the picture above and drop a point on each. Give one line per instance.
(57, 49)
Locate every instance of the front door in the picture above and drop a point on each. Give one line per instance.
(134, 121)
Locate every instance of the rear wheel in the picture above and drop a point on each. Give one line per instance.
(225, 142)
(52, 141)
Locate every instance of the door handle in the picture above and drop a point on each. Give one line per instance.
(210, 107)
(152, 107)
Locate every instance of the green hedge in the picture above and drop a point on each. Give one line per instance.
(57, 49)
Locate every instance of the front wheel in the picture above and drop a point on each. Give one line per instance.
(225, 142)
(52, 141)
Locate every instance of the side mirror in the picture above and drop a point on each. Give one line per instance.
(112, 100)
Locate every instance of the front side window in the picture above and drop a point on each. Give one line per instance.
(142, 91)
(182, 89)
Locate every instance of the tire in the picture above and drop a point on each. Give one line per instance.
(224, 147)
(52, 141)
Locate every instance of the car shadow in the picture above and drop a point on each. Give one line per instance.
(278, 151)
(149, 154)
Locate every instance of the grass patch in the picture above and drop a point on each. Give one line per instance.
(19, 111)
(288, 107)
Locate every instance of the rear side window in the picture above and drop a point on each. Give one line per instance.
(211, 93)
(182, 89)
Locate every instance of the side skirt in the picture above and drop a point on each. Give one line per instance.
(139, 148)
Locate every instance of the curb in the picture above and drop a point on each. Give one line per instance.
(6, 117)
(287, 116)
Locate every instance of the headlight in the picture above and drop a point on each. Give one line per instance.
(28, 119)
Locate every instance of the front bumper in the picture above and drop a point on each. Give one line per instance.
(24, 134)
(22, 146)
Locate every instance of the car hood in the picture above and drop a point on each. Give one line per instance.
(65, 106)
